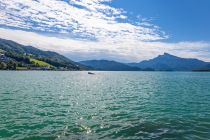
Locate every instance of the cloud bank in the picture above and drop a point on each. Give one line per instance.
(90, 19)
(88, 29)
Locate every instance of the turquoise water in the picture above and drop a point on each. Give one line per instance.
(108, 105)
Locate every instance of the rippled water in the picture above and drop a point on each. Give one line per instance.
(108, 105)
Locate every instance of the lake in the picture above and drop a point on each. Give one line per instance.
(36, 105)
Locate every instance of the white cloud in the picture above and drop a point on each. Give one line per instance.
(88, 29)
(79, 18)
(121, 51)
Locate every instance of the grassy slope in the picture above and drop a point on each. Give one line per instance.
(40, 63)
(21, 68)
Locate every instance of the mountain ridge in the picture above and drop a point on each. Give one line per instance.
(15, 55)
(168, 62)
(165, 62)
(108, 65)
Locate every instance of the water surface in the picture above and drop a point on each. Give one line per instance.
(108, 105)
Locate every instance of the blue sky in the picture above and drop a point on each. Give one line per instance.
(181, 19)
(121, 30)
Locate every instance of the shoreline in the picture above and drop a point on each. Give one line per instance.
(106, 71)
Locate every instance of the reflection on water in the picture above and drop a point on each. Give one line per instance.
(108, 105)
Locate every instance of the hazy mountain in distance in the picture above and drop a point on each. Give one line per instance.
(168, 62)
(105, 65)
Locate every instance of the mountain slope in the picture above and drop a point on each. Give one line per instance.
(168, 62)
(205, 68)
(106, 65)
(18, 53)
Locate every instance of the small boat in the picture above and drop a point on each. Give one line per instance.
(91, 73)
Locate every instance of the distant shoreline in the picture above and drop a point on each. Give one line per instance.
(203, 71)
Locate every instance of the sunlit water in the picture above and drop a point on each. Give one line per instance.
(107, 105)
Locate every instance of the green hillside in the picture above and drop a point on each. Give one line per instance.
(40, 63)
(14, 56)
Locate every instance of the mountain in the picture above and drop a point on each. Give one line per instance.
(205, 68)
(14, 55)
(168, 62)
(106, 65)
